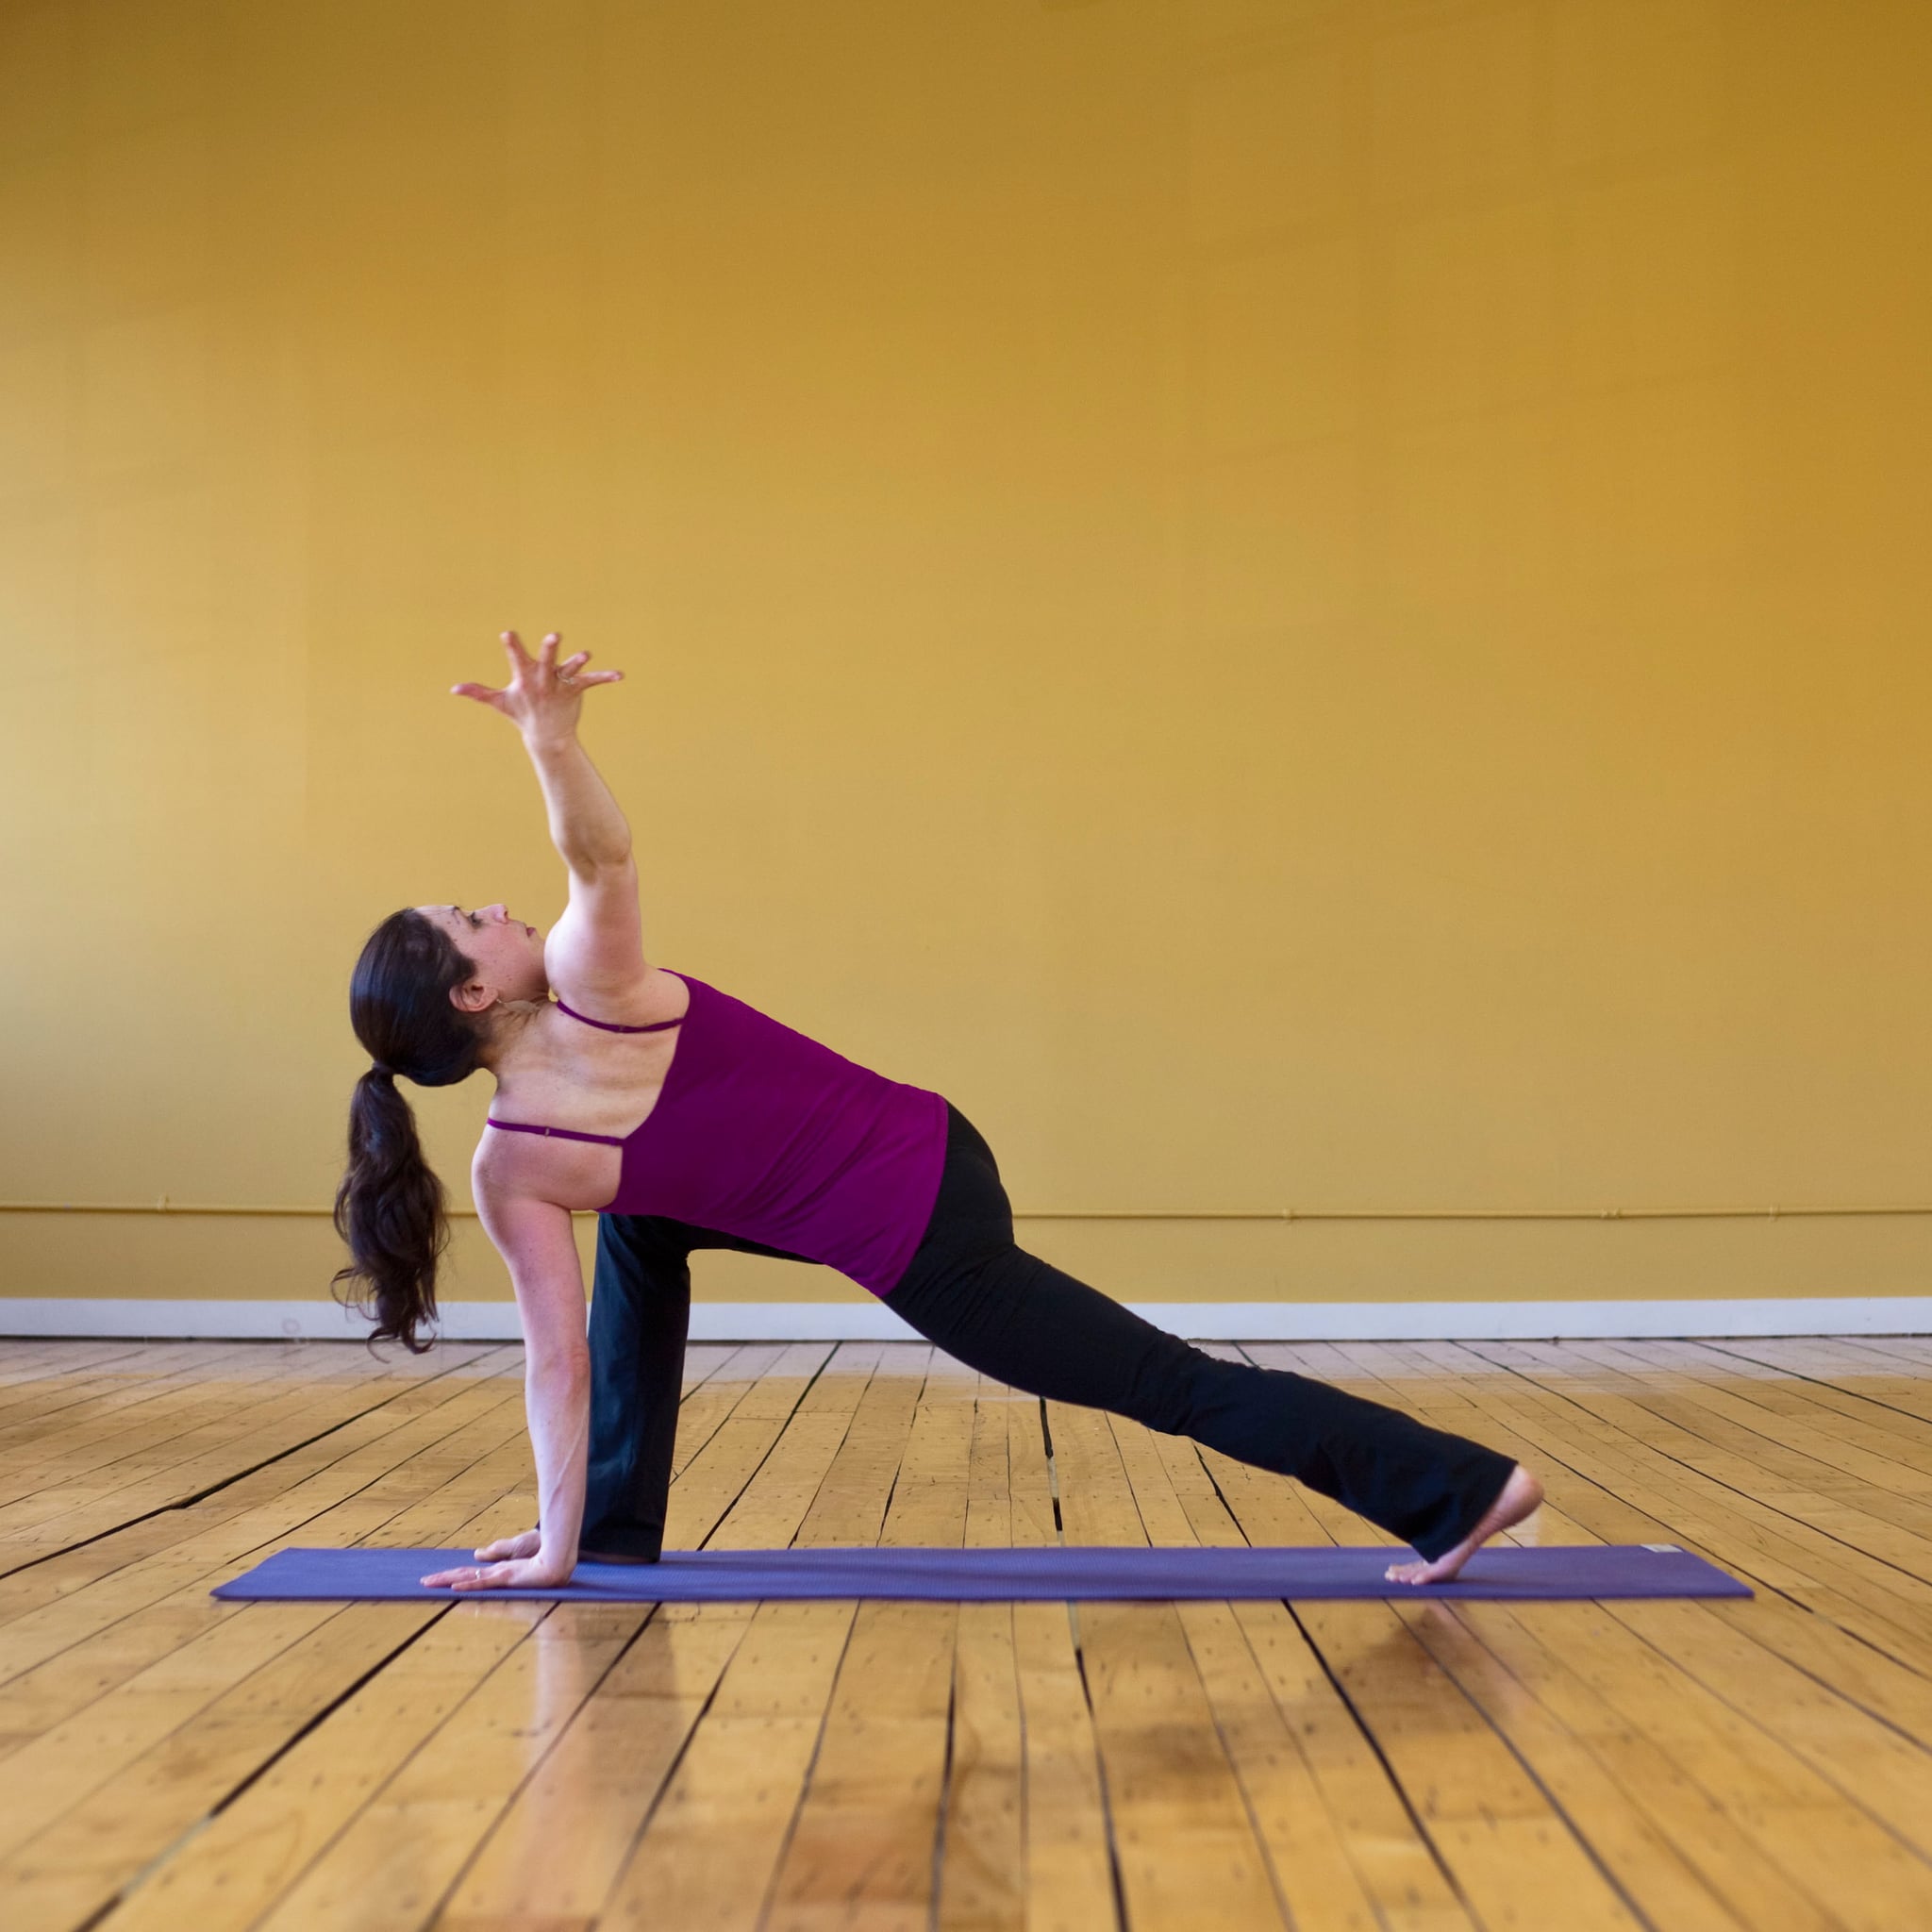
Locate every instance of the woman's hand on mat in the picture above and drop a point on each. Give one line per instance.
(523, 1573)
(510, 1549)
(544, 697)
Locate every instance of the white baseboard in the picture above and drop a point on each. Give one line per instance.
(874, 1322)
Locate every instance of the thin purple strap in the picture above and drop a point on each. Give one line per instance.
(606, 1026)
(555, 1133)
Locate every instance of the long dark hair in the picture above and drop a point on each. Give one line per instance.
(390, 1207)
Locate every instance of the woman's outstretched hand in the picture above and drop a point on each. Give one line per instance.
(543, 697)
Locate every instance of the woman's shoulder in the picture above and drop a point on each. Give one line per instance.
(656, 995)
(512, 1171)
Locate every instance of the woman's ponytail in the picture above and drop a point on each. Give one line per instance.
(390, 1208)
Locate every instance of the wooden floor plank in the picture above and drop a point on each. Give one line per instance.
(395, 1859)
(1307, 1846)
(314, 1398)
(860, 1851)
(46, 1422)
(257, 1851)
(982, 1863)
(1678, 1756)
(227, 1423)
(712, 1846)
(32, 1378)
(1512, 1848)
(1070, 1882)
(329, 1463)
(1390, 1860)
(1185, 1842)
(219, 1872)
(81, 1862)
(79, 1648)
(630, 1734)
(1895, 1696)
(180, 1739)
(1860, 1498)
(1768, 1546)
(1900, 1440)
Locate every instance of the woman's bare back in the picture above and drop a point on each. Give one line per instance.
(569, 1074)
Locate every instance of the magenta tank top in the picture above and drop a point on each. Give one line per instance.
(762, 1133)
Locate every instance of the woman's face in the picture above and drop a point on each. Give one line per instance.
(508, 954)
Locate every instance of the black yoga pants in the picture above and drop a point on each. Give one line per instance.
(1009, 1314)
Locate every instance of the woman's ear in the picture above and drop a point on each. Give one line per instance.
(473, 996)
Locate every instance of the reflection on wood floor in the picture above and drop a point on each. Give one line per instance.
(170, 1761)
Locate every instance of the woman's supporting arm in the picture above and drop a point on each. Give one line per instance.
(535, 1240)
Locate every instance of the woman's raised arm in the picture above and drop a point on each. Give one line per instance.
(597, 948)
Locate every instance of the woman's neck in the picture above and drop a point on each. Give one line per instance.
(509, 1026)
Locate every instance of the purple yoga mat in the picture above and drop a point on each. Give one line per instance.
(1053, 1575)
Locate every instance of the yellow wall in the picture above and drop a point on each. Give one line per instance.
(1295, 604)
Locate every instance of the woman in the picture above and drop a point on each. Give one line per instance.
(691, 1120)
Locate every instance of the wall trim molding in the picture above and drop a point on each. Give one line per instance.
(1275, 1321)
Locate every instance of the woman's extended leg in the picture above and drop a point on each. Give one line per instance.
(1007, 1313)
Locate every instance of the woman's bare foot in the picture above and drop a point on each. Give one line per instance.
(1521, 1494)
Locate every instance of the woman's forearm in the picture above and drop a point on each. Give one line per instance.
(556, 1401)
(587, 826)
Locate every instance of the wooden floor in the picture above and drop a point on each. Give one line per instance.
(170, 1761)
